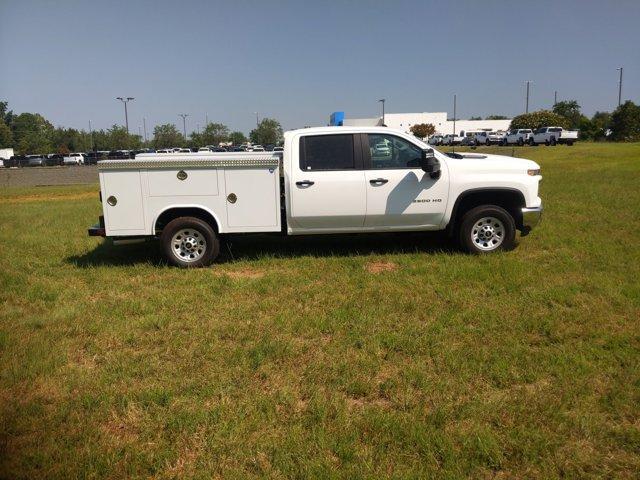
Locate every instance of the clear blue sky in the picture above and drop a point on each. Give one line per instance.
(299, 61)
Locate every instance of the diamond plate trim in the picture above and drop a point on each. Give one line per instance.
(181, 163)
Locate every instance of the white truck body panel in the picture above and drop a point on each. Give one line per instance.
(149, 185)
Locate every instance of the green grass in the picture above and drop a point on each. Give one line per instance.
(292, 358)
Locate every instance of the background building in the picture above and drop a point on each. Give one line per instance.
(404, 121)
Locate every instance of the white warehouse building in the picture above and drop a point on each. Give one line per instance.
(404, 121)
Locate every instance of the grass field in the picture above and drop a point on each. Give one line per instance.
(328, 357)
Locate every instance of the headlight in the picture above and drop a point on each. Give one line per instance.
(533, 172)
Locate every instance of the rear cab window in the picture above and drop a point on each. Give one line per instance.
(327, 152)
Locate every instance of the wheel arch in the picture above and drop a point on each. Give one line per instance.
(511, 199)
(176, 211)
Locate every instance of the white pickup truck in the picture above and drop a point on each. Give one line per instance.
(518, 136)
(553, 135)
(328, 180)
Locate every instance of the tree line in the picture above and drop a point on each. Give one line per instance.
(29, 133)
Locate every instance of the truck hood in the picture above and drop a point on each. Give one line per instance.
(484, 162)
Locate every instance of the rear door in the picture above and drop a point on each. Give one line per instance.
(400, 196)
(327, 186)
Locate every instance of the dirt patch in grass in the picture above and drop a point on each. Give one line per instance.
(241, 274)
(47, 197)
(379, 267)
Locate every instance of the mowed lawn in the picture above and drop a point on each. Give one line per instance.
(377, 356)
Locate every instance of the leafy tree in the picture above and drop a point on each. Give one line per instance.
(167, 135)
(32, 133)
(6, 135)
(269, 131)
(541, 118)
(237, 138)
(495, 117)
(570, 110)
(6, 114)
(119, 139)
(423, 130)
(214, 133)
(601, 122)
(476, 118)
(625, 122)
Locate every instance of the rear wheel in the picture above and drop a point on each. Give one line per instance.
(486, 229)
(532, 143)
(487, 142)
(189, 242)
(520, 142)
(553, 141)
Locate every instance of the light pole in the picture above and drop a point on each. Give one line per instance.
(184, 124)
(382, 100)
(257, 122)
(126, 115)
(526, 108)
(620, 87)
(144, 123)
(91, 134)
(555, 97)
(455, 101)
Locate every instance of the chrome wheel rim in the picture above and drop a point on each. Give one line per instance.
(487, 233)
(188, 245)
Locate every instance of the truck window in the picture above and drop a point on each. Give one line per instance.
(327, 152)
(389, 151)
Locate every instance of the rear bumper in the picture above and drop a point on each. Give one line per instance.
(98, 230)
(531, 217)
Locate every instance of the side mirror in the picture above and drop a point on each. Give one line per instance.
(429, 163)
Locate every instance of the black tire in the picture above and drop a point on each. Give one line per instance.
(553, 141)
(202, 230)
(532, 143)
(469, 225)
(569, 144)
(520, 142)
(488, 142)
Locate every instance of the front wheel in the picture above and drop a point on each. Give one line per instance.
(486, 229)
(189, 242)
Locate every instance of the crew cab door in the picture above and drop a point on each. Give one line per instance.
(327, 186)
(400, 196)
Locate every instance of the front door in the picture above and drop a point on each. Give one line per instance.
(400, 196)
(327, 190)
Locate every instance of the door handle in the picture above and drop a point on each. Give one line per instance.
(305, 183)
(378, 181)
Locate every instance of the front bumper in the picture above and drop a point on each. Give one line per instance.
(531, 216)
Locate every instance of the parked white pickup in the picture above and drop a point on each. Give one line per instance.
(553, 135)
(327, 180)
(73, 159)
(518, 136)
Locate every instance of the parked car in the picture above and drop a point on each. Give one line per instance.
(435, 140)
(488, 138)
(451, 139)
(321, 184)
(518, 136)
(94, 157)
(15, 161)
(164, 150)
(257, 148)
(553, 135)
(55, 159)
(36, 161)
(204, 149)
(278, 149)
(74, 159)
